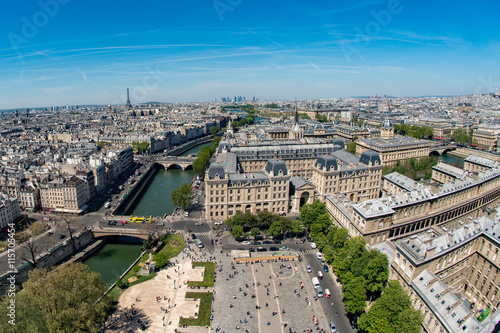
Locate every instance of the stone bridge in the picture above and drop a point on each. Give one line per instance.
(173, 162)
(120, 231)
(440, 149)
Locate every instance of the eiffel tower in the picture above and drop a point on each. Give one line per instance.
(128, 105)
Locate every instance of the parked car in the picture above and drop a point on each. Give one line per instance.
(284, 248)
(333, 328)
(111, 222)
(273, 248)
(261, 249)
(193, 236)
(245, 243)
(218, 222)
(327, 293)
(267, 242)
(62, 236)
(187, 214)
(325, 268)
(313, 245)
(319, 256)
(160, 224)
(308, 269)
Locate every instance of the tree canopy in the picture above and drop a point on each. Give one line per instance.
(62, 300)
(182, 196)
(140, 147)
(263, 221)
(419, 132)
(363, 273)
(461, 136)
(351, 147)
(413, 168)
(392, 312)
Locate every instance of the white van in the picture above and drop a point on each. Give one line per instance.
(199, 243)
(315, 282)
(320, 275)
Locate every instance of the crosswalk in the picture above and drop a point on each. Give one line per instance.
(201, 233)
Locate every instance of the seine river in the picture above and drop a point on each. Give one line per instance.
(156, 200)
(112, 260)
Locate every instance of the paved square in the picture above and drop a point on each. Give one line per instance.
(275, 287)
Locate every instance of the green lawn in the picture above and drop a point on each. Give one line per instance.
(167, 252)
(174, 244)
(204, 310)
(208, 275)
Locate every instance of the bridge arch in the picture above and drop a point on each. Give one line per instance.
(111, 233)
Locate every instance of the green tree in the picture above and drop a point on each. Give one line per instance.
(297, 227)
(237, 231)
(213, 130)
(101, 144)
(255, 231)
(309, 213)
(62, 300)
(391, 310)
(321, 118)
(21, 237)
(351, 147)
(275, 229)
(37, 228)
(376, 271)
(354, 294)
(140, 147)
(182, 196)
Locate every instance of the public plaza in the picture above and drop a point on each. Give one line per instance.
(254, 296)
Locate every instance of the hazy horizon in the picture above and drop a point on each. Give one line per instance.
(63, 52)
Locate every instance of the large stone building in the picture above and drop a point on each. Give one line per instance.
(299, 157)
(359, 178)
(436, 265)
(393, 149)
(486, 136)
(410, 207)
(310, 171)
(66, 195)
(229, 191)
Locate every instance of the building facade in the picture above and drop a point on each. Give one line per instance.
(66, 195)
(416, 207)
(9, 209)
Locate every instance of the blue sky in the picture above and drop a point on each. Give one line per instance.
(66, 52)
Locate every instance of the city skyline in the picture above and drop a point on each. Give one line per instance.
(62, 52)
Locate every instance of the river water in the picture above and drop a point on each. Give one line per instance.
(450, 159)
(156, 200)
(115, 256)
(112, 260)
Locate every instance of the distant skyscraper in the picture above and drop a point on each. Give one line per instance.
(128, 105)
(16, 113)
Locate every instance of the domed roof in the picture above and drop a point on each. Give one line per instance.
(387, 124)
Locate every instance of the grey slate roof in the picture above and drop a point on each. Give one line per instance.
(274, 166)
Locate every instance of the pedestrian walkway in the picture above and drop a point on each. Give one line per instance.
(158, 304)
(243, 289)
